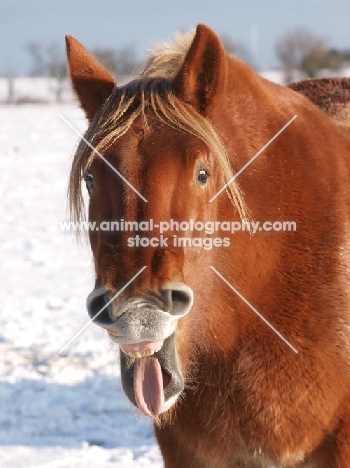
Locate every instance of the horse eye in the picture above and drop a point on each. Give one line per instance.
(202, 176)
(89, 180)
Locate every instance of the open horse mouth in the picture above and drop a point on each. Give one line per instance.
(150, 375)
(144, 328)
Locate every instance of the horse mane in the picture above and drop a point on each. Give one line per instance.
(166, 58)
(150, 91)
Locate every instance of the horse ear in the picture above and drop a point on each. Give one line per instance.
(91, 82)
(202, 76)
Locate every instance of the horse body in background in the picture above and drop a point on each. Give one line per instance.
(224, 390)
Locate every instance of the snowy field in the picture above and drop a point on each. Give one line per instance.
(55, 411)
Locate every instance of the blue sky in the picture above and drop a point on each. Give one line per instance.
(114, 23)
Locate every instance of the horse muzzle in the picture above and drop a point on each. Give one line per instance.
(144, 327)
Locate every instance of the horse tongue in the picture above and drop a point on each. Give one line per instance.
(148, 385)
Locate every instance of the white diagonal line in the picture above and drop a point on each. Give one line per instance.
(102, 157)
(251, 160)
(103, 308)
(254, 310)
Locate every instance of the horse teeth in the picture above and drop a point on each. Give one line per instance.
(137, 355)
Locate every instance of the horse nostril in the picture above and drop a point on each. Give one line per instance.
(96, 303)
(178, 298)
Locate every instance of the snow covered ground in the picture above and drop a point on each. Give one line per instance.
(55, 411)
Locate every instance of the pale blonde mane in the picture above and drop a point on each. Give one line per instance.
(166, 58)
(150, 92)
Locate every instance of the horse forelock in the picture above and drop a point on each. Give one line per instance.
(150, 94)
(165, 58)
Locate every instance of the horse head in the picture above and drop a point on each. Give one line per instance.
(162, 163)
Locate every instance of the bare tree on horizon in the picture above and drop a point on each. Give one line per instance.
(301, 49)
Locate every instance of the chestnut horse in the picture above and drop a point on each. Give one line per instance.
(235, 341)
